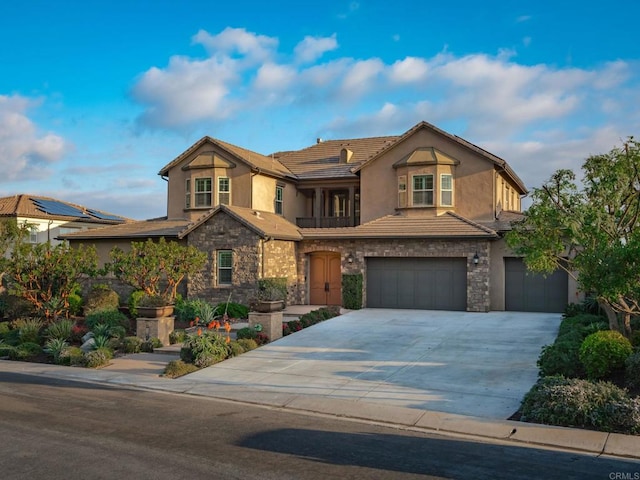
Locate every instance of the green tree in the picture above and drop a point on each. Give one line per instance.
(592, 231)
(157, 268)
(12, 234)
(46, 275)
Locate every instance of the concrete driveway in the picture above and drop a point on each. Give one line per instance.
(478, 364)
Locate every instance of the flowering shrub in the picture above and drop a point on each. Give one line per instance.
(309, 319)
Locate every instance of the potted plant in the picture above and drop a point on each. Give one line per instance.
(271, 296)
(154, 306)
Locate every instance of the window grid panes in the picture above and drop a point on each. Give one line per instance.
(423, 190)
(446, 190)
(225, 267)
(187, 194)
(203, 192)
(224, 190)
(279, 201)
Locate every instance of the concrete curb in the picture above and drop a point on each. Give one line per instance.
(588, 441)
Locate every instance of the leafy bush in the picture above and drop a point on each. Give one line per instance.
(234, 310)
(101, 297)
(131, 344)
(177, 336)
(247, 344)
(178, 368)
(149, 345)
(54, 347)
(4, 328)
(98, 358)
(29, 329)
(108, 317)
(309, 319)
(186, 310)
(72, 356)
(16, 307)
(75, 303)
(78, 331)
(204, 350)
(272, 289)
(205, 313)
(246, 332)
(583, 323)
(602, 352)
(632, 371)
(563, 357)
(25, 351)
(6, 350)
(352, 291)
(261, 338)
(134, 301)
(580, 403)
(234, 348)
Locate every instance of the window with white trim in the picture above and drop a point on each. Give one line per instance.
(33, 235)
(423, 190)
(203, 192)
(225, 267)
(224, 190)
(187, 194)
(446, 190)
(279, 200)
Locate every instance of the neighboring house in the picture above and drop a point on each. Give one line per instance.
(49, 218)
(421, 216)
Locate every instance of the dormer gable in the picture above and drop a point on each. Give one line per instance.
(208, 160)
(425, 156)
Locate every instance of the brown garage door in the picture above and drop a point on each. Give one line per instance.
(420, 283)
(529, 292)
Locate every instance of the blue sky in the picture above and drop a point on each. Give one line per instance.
(97, 96)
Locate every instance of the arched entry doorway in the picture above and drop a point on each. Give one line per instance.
(325, 285)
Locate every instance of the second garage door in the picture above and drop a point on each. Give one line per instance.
(420, 283)
(529, 292)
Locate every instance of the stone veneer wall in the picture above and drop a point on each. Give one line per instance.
(222, 232)
(478, 299)
(253, 258)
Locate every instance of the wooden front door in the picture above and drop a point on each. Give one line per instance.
(326, 279)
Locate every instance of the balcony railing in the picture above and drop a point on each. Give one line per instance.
(325, 222)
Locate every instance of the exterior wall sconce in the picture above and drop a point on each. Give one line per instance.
(476, 258)
(350, 258)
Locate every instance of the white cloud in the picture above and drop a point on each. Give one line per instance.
(238, 41)
(274, 77)
(409, 70)
(312, 48)
(360, 78)
(25, 152)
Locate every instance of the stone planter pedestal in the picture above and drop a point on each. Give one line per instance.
(160, 327)
(271, 323)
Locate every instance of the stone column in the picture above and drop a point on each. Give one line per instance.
(147, 328)
(271, 323)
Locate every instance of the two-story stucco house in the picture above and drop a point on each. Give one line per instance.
(421, 216)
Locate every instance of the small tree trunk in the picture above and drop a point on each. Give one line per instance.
(627, 325)
(611, 315)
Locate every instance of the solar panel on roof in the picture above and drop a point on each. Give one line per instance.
(53, 207)
(104, 216)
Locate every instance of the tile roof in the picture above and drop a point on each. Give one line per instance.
(267, 164)
(504, 221)
(322, 160)
(142, 229)
(448, 225)
(265, 224)
(30, 206)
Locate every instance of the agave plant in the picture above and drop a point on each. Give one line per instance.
(101, 341)
(61, 329)
(206, 313)
(55, 347)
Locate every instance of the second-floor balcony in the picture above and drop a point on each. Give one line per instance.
(327, 222)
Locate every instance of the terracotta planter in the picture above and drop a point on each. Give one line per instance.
(155, 312)
(265, 306)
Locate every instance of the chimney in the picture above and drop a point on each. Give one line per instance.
(319, 140)
(345, 155)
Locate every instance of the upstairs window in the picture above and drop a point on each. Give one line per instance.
(225, 267)
(224, 190)
(279, 199)
(423, 190)
(187, 194)
(203, 192)
(446, 190)
(33, 235)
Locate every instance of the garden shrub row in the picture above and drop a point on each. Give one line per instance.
(309, 319)
(577, 372)
(207, 349)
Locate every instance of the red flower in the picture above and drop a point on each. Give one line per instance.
(199, 332)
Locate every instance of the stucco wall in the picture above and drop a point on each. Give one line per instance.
(473, 179)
